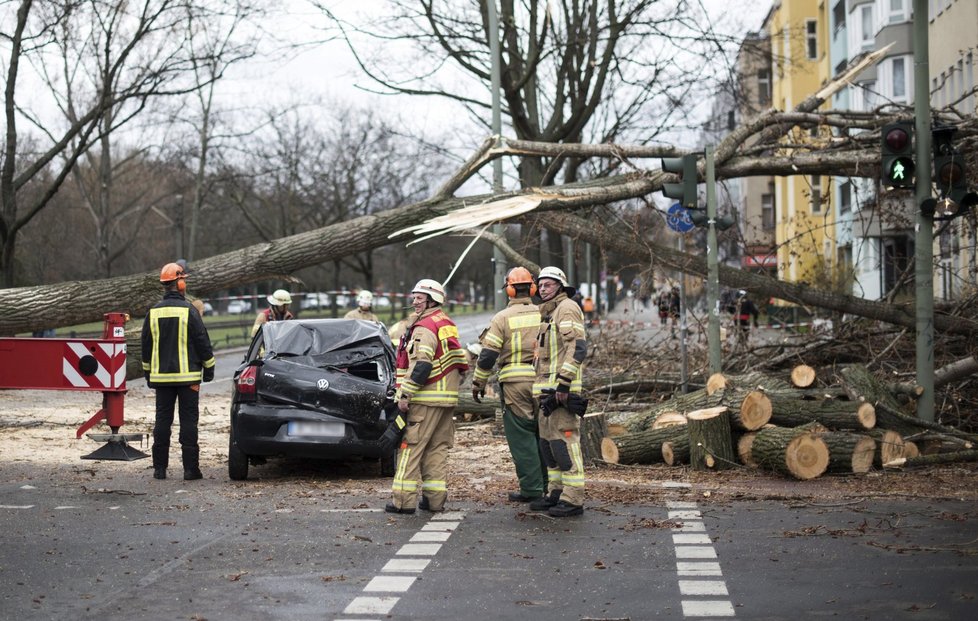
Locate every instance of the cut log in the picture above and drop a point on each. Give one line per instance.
(669, 419)
(643, 447)
(802, 376)
(861, 385)
(889, 446)
(594, 428)
(849, 452)
(710, 442)
(715, 382)
(910, 449)
(833, 413)
(615, 430)
(933, 460)
(744, 448)
(754, 412)
(694, 400)
(792, 451)
(676, 452)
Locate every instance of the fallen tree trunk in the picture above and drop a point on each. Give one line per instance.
(931, 460)
(849, 452)
(834, 414)
(676, 452)
(802, 376)
(594, 428)
(642, 447)
(889, 446)
(795, 451)
(710, 442)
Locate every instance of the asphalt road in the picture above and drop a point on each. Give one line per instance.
(304, 547)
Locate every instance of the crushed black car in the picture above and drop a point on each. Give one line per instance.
(319, 388)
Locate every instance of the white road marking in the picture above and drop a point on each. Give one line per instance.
(440, 526)
(390, 584)
(685, 515)
(419, 549)
(371, 605)
(695, 552)
(63, 507)
(406, 564)
(706, 608)
(702, 587)
(431, 536)
(693, 538)
(699, 569)
(16, 506)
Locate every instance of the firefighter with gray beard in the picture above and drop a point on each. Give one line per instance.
(561, 349)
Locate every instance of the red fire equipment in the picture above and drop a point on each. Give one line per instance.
(78, 364)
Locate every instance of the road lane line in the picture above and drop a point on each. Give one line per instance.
(406, 564)
(371, 605)
(694, 551)
(396, 584)
(429, 536)
(16, 506)
(419, 549)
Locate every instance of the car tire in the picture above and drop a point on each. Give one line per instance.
(237, 460)
(388, 464)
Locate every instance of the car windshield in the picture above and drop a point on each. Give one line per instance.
(327, 342)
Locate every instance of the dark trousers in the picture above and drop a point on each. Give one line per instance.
(189, 399)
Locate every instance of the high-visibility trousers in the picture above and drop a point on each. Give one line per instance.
(560, 444)
(422, 461)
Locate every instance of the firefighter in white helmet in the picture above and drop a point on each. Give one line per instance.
(561, 349)
(364, 309)
(509, 343)
(278, 310)
(430, 366)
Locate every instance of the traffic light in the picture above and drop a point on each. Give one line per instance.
(896, 156)
(953, 196)
(684, 192)
(699, 218)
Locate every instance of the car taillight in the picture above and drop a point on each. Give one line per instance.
(247, 389)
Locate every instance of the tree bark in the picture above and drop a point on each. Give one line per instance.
(594, 428)
(931, 460)
(849, 452)
(834, 414)
(676, 452)
(643, 447)
(889, 446)
(710, 441)
(793, 451)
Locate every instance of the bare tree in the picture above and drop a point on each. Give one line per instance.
(102, 64)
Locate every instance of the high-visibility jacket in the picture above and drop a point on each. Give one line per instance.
(359, 313)
(561, 346)
(509, 343)
(175, 343)
(430, 361)
(268, 315)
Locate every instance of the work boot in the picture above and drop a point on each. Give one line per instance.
(392, 508)
(159, 473)
(543, 503)
(192, 475)
(424, 505)
(565, 509)
(520, 497)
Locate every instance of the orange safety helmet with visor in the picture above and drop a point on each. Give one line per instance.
(519, 276)
(174, 272)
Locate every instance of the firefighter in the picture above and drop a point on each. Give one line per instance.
(364, 309)
(430, 366)
(278, 310)
(509, 344)
(177, 355)
(561, 349)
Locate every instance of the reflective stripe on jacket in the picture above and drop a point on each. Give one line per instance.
(561, 346)
(176, 346)
(512, 335)
(431, 341)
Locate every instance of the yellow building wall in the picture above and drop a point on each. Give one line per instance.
(805, 215)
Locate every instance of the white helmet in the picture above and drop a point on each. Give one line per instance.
(554, 273)
(280, 297)
(432, 287)
(365, 298)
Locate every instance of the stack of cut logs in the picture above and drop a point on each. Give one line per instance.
(770, 423)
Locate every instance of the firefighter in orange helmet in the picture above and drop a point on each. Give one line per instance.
(508, 344)
(177, 356)
(430, 365)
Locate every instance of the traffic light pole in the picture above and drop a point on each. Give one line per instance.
(924, 241)
(712, 265)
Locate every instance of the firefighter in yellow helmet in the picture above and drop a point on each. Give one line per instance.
(278, 310)
(364, 309)
(177, 356)
(561, 349)
(430, 367)
(508, 344)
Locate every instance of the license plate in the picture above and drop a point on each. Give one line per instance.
(328, 430)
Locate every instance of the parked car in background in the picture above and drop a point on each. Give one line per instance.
(236, 307)
(314, 388)
(314, 300)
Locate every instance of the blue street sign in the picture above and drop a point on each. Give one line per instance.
(678, 219)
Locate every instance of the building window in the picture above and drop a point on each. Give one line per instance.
(764, 87)
(894, 11)
(899, 79)
(867, 31)
(811, 38)
(767, 211)
(839, 17)
(816, 194)
(845, 197)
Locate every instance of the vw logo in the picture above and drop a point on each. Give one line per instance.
(322, 384)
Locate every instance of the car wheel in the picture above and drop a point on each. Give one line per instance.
(237, 461)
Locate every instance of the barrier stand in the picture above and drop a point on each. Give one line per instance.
(78, 364)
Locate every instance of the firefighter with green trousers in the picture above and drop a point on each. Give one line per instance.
(509, 343)
(561, 350)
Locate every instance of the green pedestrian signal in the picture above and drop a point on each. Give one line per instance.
(896, 155)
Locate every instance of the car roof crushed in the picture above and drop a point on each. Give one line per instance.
(328, 341)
